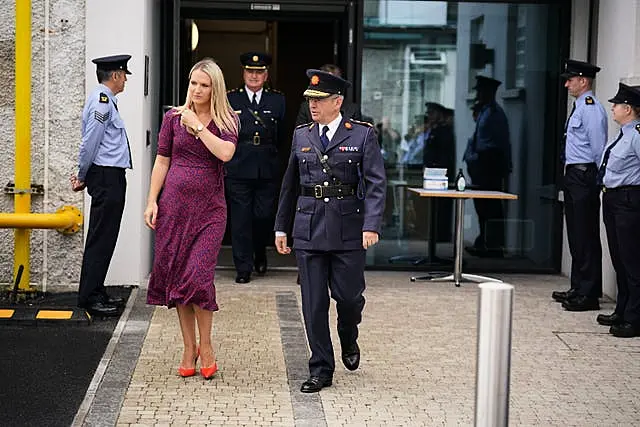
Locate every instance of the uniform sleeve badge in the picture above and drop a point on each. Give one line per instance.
(104, 99)
(589, 100)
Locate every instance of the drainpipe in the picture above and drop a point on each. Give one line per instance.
(22, 200)
(45, 100)
(67, 219)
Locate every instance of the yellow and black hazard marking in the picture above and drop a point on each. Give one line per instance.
(32, 315)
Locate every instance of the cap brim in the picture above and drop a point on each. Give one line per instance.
(312, 93)
(616, 100)
(127, 72)
(568, 75)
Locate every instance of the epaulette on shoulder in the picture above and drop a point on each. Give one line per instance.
(270, 89)
(303, 125)
(235, 89)
(589, 100)
(361, 123)
(103, 99)
(638, 127)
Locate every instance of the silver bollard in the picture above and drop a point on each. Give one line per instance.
(493, 364)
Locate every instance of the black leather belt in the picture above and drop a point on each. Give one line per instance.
(621, 188)
(257, 140)
(581, 166)
(322, 191)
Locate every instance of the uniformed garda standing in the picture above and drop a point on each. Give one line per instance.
(620, 176)
(251, 179)
(335, 183)
(104, 156)
(583, 144)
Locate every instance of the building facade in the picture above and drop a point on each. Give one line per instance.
(399, 54)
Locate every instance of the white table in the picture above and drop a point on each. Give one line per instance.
(457, 277)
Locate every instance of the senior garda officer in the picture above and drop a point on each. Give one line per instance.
(619, 174)
(252, 175)
(104, 156)
(335, 183)
(582, 147)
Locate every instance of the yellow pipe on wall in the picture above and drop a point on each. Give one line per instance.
(67, 220)
(22, 201)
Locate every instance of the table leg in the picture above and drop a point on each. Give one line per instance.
(458, 277)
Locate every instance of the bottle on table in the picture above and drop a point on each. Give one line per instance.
(460, 181)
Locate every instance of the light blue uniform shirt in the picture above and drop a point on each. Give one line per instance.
(586, 131)
(104, 138)
(623, 166)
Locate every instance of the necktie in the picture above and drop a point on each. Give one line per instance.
(128, 146)
(323, 138)
(605, 159)
(254, 102)
(563, 146)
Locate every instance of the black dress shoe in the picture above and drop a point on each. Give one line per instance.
(243, 278)
(261, 267)
(625, 330)
(315, 384)
(102, 309)
(351, 356)
(609, 319)
(562, 296)
(581, 303)
(114, 300)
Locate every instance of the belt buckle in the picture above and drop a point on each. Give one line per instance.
(317, 191)
(256, 139)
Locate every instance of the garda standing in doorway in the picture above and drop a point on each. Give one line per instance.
(252, 175)
(104, 156)
(583, 143)
(620, 176)
(335, 183)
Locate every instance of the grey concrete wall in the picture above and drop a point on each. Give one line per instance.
(66, 92)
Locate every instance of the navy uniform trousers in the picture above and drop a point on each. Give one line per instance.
(107, 187)
(344, 272)
(582, 211)
(251, 207)
(621, 212)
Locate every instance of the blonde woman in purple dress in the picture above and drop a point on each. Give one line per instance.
(187, 209)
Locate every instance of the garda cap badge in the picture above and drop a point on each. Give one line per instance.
(589, 100)
(255, 58)
(315, 80)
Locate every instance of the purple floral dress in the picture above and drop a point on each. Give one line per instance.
(191, 221)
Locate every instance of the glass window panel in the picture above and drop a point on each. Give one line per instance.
(419, 53)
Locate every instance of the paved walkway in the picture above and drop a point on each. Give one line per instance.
(418, 344)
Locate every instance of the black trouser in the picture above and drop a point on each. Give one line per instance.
(582, 211)
(621, 212)
(107, 187)
(488, 174)
(251, 211)
(343, 273)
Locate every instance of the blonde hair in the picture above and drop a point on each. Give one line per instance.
(222, 114)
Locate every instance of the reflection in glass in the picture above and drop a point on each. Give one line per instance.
(421, 61)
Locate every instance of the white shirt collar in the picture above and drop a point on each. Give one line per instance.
(250, 94)
(333, 126)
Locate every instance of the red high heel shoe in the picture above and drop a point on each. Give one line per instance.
(208, 373)
(189, 372)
